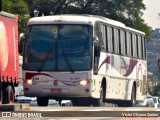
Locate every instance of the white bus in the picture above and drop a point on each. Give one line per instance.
(88, 59)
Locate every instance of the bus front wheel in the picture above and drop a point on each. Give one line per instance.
(101, 100)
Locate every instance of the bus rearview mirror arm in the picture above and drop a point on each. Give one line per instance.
(21, 42)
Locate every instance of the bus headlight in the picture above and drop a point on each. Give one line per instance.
(85, 82)
(28, 81)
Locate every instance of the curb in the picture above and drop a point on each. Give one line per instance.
(14, 107)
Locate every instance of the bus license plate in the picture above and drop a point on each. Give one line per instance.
(55, 90)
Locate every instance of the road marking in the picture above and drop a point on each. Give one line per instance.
(70, 119)
(97, 110)
(132, 109)
(50, 110)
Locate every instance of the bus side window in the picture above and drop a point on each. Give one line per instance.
(134, 45)
(109, 39)
(139, 47)
(122, 42)
(113, 41)
(102, 36)
(143, 48)
(116, 40)
(128, 40)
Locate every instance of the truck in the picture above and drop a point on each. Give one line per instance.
(9, 57)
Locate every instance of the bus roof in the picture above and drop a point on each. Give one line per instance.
(77, 19)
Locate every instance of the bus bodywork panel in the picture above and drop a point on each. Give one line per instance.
(60, 73)
(57, 85)
(120, 74)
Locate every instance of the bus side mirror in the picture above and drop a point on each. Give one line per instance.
(96, 46)
(21, 42)
(95, 40)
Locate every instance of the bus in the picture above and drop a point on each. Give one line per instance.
(88, 59)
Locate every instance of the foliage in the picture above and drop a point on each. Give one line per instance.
(156, 90)
(19, 7)
(126, 11)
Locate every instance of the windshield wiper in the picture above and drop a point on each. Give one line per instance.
(44, 60)
(67, 60)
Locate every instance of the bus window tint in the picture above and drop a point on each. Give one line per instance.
(56, 47)
(74, 43)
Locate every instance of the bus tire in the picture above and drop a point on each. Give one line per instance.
(42, 101)
(101, 100)
(132, 102)
(8, 95)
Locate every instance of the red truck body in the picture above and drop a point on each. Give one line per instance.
(9, 55)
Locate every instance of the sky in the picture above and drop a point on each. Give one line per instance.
(152, 13)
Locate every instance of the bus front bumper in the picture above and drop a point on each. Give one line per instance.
(51, 91)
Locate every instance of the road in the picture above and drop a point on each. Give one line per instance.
(85, 113)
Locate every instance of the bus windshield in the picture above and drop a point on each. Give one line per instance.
(58, 48)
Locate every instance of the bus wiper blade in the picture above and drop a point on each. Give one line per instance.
(44, 60)
(67, 61)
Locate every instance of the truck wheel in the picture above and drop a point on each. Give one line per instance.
(8, 95)
(41, 101)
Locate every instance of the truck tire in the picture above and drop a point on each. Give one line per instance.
(8, 95)
(42, 101)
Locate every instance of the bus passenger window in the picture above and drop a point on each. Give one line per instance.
(109, 39)
(103, 36)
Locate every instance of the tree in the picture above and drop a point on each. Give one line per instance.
(19, 7)
(156, 90)
(126, 11)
